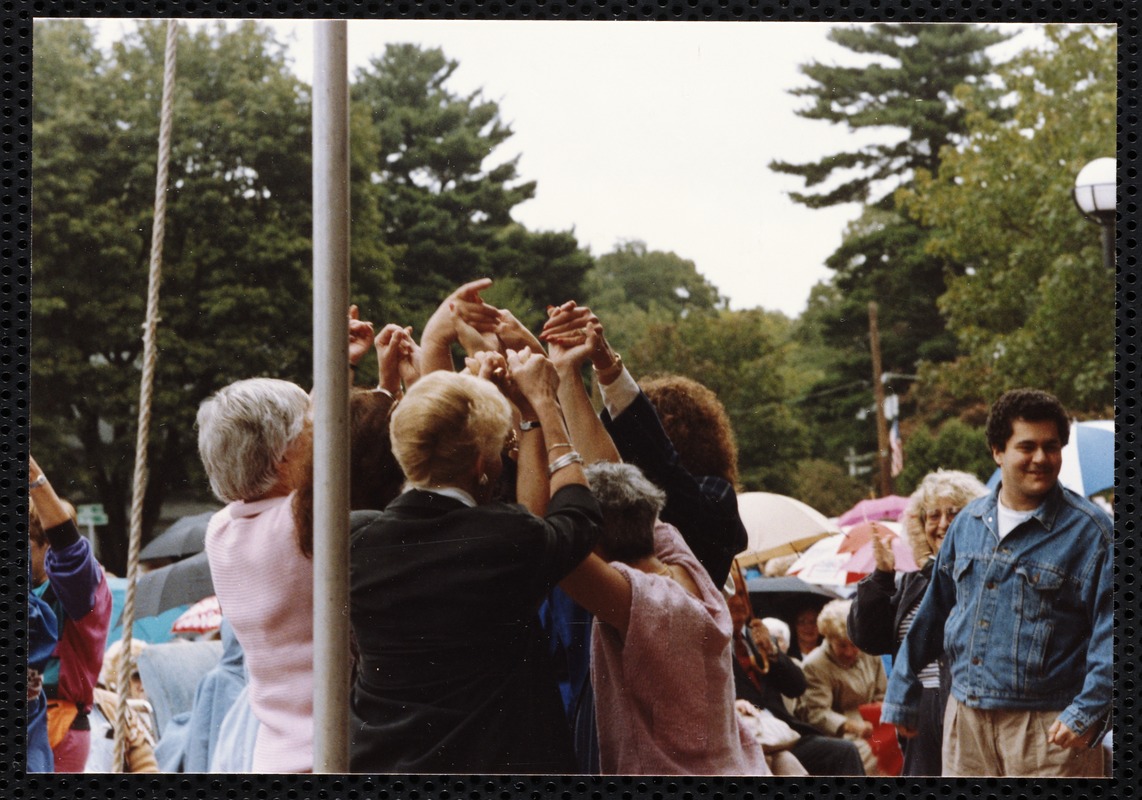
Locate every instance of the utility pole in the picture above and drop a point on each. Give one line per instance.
(885, 466)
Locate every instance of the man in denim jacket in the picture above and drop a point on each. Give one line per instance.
(1020, 602)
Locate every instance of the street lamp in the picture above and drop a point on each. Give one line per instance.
(1095, 194)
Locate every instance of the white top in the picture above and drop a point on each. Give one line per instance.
(1009, 520)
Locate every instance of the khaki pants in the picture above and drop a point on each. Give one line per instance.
(1008, 744)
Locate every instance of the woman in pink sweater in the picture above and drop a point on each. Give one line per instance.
(661, 658)
(252, 437)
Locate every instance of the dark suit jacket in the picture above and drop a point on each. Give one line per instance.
(704, 509)
(453, 674)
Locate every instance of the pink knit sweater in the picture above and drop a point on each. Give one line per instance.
(265, 587)
(664, 697)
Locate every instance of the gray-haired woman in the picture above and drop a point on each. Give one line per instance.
(661, 657)
(252, 438)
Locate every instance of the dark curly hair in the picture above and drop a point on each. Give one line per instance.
(375, 478)
(697, 423)
(1032, 405)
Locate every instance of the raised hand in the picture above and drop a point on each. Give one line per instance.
(395, 347)
(882, 551)
(569, 325)
(360, 336)
(534, 374)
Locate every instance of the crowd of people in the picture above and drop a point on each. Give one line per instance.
(538, 588)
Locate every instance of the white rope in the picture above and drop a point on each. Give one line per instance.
(145, 391)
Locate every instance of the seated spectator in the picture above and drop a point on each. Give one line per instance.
(765, 677)
(806, 635)
(139, 748)
(661, 660)
(66, 576)
(839, 679)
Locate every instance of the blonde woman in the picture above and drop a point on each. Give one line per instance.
(884, 606)
(453, 674)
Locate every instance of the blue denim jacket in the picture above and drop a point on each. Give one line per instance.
(1026, 623)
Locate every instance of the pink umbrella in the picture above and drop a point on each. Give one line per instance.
(860, 535)
(890, 507)
(863, 561)
(202, 617)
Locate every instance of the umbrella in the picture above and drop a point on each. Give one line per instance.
(202, 617)
(824, 565)
(778, 526)
(1088, 459)
(863, 561)
(177, 584)
(783, 597)
(185, 537)
(153, 630)
(860, 535)
(890, 507)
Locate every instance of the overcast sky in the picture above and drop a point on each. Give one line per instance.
(657, 131)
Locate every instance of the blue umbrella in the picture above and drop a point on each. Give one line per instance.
(1088, 459)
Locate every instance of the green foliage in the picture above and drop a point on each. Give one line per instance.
(907, 83)
(827, 487)
(956, 445)
(747, 359)
(1035, 306)
(448, 215)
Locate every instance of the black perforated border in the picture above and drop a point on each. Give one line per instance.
(15, 187)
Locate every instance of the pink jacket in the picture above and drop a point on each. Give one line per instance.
(265, 587)
(664, 698)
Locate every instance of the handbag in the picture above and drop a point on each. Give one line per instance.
(773, 734)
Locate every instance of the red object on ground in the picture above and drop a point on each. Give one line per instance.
(883, 741)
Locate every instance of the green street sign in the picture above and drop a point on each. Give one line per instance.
(92, 514)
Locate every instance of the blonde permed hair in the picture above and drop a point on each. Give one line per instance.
(445, 422)
(956, 487)
(833, 619)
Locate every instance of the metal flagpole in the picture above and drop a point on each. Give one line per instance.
(331, 397)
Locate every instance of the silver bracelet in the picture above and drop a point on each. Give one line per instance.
(38, 482)
(565, 460)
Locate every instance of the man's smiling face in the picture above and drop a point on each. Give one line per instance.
(1029, 463)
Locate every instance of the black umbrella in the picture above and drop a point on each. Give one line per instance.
(185, 537)
(783, 597)
(178, 584)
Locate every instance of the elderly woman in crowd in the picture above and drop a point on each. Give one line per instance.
(661, 659)
(253, 436)
(765, 676)
(884, 606)
(839, 679)
(445, 583)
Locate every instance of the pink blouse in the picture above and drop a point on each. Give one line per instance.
(664, 697)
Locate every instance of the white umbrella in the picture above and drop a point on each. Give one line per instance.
(823, 564)
(779, 525)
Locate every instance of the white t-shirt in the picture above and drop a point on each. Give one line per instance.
(1009, 520)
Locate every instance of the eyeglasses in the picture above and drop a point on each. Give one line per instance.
(935, 514)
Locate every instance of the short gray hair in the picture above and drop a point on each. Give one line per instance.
(630, 504)
(244, 430)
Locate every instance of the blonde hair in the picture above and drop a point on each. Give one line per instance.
(833, 619)
(445, 422)
(958, 488)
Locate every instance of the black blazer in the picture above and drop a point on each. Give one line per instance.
(703, 509)
(454, 676)
(880, 606)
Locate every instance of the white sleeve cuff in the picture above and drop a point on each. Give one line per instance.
(619, 394)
